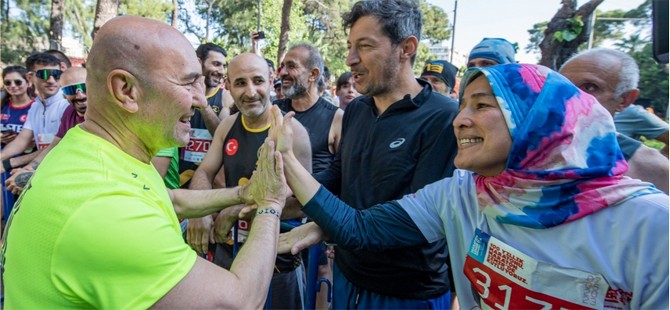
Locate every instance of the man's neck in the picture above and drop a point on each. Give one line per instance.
(128, 143)
(404, 86)
(259, 122)
(44, 100)
(305, 102)
(209, 91)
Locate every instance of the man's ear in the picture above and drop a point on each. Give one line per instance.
(314, 75)
(408, 48)
(124, 88)
(226, 82)
(627, 98)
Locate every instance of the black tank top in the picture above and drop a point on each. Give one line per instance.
(240, 153)
(317, 120)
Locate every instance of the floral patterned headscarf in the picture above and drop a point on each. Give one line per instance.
(564, 163)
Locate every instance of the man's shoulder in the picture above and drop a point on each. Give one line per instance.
(326, 104)
(284, 104)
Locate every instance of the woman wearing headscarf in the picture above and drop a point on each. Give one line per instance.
(541, 214)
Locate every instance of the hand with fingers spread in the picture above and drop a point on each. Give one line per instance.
(300, 238)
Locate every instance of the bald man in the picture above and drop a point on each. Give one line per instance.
(106, 235)
(611, 76)
(234, 149)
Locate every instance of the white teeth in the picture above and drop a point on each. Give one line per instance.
(466, 141)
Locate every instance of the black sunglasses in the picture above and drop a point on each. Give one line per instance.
(16, 82)
(46, 73)
(72, 89)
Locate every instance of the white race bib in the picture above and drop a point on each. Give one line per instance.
(506, 278)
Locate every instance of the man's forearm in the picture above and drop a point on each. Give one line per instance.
(211, 119)
(23, 160)
(198, 203)
(303, 185)
(255, 261)
(12, 149)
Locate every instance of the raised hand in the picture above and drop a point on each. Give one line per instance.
(281, 131)
(267, 185)
(300, 238)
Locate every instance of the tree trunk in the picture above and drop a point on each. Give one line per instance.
(556, 52)
(209, 16)
(56, 29)
(175, 13)
(285, 28)
(104, 11)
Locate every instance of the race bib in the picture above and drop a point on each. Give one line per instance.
(44, 139)
(506, 278)
(198, 145)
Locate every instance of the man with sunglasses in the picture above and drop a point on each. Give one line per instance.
(44, 115)
(74, 92)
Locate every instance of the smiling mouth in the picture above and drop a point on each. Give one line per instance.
(470, 141)
(186, 119)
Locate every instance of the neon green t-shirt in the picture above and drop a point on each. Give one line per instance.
(94, 228)
(171, 179)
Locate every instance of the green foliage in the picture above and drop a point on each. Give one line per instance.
(79, 17)
(422, 56)
(24, 31)
(536, 36)
(574, 28)
(654, 144)
(435, 23)
(154, 9)
(653, 79)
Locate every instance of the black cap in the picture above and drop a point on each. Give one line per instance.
(442, 69)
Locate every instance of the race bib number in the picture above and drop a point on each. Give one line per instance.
(44, 139)
(198, 145)
(506, 278)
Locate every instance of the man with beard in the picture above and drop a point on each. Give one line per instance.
(235, 148)
(44, 115)
(396, 138)
(207, 116)
(302, 68)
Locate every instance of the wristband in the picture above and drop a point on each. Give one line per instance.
(7, 165)
(267, 211)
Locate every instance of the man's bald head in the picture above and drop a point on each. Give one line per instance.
(246, 61)
(73, 75)
(143, 78)
(609, 75)
(249, 83)
(133, 44)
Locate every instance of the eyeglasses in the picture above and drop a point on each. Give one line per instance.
(46, 73)
(72, 89)
(16, 82)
